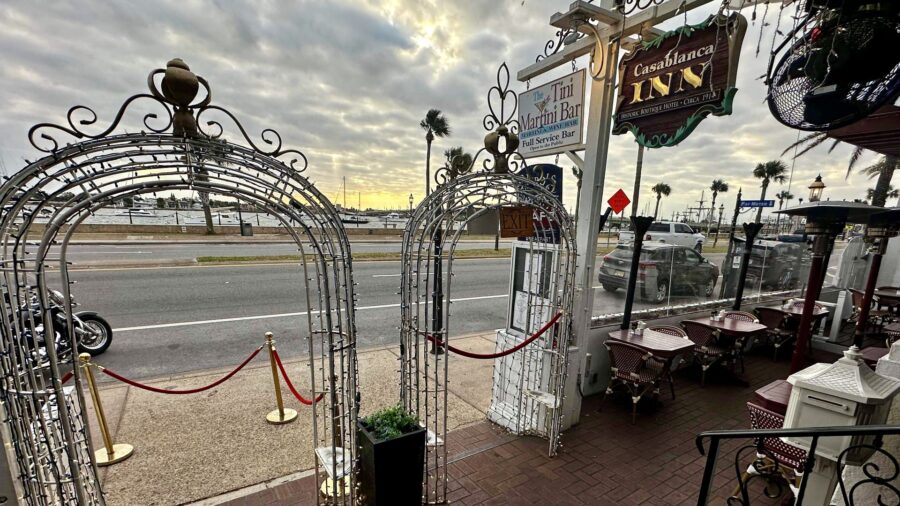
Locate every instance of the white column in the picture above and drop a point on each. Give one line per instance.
(589, 211)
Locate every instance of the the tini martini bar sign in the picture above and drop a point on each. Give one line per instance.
(670, 84)
(551, 116)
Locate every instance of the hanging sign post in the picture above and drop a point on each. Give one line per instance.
(670, 84)
(551, 117)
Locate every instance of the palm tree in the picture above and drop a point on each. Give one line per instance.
(883, 169)
(892, 193)
(435, 125)
(773, 170)
(457, 159)
(782, 196)
(717, 186)
(660, 189)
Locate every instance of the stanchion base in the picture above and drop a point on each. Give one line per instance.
(120, 452)
(275, 418)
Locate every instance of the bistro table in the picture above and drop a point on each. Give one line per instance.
(888, 297)
(796, 310)
(774, 396)
(661, 345)
(733, 327)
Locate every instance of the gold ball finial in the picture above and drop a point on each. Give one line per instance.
(84, 357)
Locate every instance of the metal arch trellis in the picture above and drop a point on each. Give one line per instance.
(51, 445)
(428, 253)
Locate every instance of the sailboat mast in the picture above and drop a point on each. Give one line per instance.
(344, 185)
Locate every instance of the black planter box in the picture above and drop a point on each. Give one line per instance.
(391, 471)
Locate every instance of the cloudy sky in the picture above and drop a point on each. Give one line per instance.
(347, 83)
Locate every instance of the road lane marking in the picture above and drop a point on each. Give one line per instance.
(386, 275)
(280, 315)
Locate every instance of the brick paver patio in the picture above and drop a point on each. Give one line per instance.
(604, 460)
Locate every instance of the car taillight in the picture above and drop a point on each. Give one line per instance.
(643, 266)
(604, 260)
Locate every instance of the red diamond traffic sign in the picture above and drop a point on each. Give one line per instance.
(618, 201)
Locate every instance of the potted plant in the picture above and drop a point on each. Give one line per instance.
(391, 458)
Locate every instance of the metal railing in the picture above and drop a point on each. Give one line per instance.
(767, 464)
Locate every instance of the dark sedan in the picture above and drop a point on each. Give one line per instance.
(661, 266)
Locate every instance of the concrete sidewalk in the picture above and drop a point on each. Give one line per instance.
(193, 447)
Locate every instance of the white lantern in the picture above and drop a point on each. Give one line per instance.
(846, 393)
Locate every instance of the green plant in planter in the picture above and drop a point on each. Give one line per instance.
(390, 423)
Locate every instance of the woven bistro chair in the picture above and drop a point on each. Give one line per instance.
(775, 321)
(672, 331)
(890, 337)
(743, 316)
(707, 349)
(876, 316)
(635, 368)
(774, 457)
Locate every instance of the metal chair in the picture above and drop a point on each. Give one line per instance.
(774, 457)
(707, 349)
(635, 368)
(776, 329)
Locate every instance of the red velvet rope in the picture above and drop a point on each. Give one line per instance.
(290, 385)
(180, 392)
(512, 350)
(66, 377)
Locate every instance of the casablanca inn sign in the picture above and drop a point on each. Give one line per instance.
(670, 84)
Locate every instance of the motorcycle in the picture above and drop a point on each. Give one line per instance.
(93, 334)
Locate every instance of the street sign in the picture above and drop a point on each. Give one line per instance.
(618, 201)
(757, 203)
(517, 221)
(552, 116)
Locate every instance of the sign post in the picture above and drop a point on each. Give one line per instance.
(757, 203)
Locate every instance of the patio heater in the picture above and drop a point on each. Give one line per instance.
(824, 221)
(882, 227)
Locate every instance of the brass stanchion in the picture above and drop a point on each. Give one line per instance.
(282, 414)
(110, 453)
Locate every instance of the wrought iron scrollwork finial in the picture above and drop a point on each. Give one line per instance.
(564, 37)
(503, 141)
(627, 7)
(176, 93)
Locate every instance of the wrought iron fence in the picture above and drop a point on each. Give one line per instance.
(772, 464)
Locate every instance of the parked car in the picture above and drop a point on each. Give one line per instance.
(798, 235)
(669, 232)
(661, 266)
(778, 265)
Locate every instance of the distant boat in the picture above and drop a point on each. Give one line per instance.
(353, 219)
(135, 212)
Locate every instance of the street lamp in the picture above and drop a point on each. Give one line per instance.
(816, 189)
(410, 203)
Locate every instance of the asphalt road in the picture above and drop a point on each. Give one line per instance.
(93, 254)
(170, 320)
(175, 319)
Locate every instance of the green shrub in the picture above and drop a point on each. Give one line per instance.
(390, 423)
